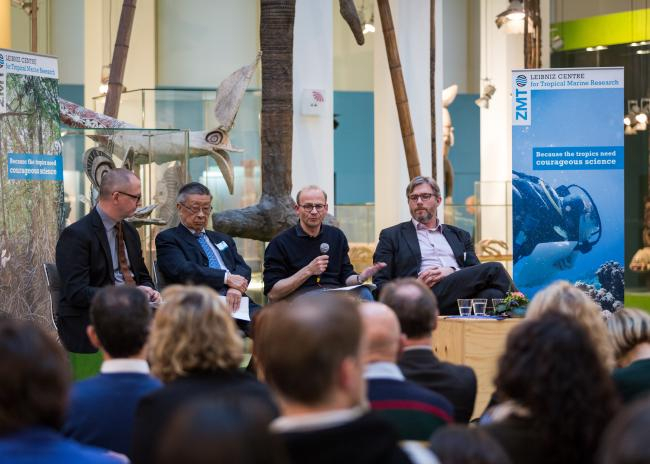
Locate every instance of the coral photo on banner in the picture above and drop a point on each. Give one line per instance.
(567, 180)
(31, 187)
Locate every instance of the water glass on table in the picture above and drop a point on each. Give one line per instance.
(465, 306)
(496, 302)
(479, 305)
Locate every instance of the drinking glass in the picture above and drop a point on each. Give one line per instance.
(465, 306)
(479, 305)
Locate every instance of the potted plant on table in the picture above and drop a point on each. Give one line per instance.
(513, 305)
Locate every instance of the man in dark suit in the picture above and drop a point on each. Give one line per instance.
(416, 309)
(99, 250)
(439, 255)
(188, 253)
(415, 412)
(101, 409)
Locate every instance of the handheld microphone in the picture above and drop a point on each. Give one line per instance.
(324, 248)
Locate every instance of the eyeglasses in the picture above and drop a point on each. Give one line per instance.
(197, 209)
(135, 197)
(421, 196)
(308, 207)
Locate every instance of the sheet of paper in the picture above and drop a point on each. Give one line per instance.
(242, 313)
(537, 267)
(370, 287)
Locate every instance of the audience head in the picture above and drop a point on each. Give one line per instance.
(551, 368)
(626, 439)
(414, 304)
(232, 430)
(120, 319)
(563, 297)
(192, 331)
(310, 351)
(119, 193)
(34, 375)
(628, 329)
(459, 444)
(382, 332)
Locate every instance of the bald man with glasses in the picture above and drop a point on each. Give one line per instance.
(99, 250)
(191, 254)
(311, 256)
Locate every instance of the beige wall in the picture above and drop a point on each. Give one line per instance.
(201, 42)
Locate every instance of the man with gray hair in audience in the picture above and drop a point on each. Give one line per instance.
(311, 355)
(414, 411)
(417, 310)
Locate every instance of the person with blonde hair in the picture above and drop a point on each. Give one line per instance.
(564, 298)
(629, 330)
(195, 349)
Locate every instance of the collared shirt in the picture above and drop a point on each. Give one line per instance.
(383, 370)
(124, 365)
(293, 249)
(434, 248)
(111, 236)
(418, 347)
(212, 247)
(315, 421)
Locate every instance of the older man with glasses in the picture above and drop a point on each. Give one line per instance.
(311, 256)
(191, 254)
(99, 250)
(439, 255)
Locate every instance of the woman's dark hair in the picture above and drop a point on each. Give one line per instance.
(34, 377)
(232, 430)
(551, 368)
(459, 444)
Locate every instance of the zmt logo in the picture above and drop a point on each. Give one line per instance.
(2, 61)
(521, 105)
(521, 80)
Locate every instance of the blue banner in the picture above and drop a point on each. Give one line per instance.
(27, 166)
(567, 180)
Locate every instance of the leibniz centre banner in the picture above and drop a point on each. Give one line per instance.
(567, 180)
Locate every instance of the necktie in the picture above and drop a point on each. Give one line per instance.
(121, 257)
(213, 262)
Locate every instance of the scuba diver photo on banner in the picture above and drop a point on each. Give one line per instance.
(567, 180)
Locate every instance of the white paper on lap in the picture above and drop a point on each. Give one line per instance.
(242, 313)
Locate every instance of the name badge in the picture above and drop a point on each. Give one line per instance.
(222, 246)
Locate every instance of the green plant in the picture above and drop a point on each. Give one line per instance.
(513, 305)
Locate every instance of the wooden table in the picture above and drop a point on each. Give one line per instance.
(476, 343)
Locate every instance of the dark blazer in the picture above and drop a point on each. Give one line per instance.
(83, 259)
(157, 409)
(455, 382)
(182, 260)
(398, 247)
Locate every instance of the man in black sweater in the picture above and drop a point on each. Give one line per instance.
(311, 256)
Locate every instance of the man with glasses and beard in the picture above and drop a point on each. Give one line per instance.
(311, 256)
(439, 255)
(190, 254)
(101, 249)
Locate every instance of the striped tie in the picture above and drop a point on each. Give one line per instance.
(213, 262)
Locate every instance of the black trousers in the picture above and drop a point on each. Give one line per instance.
(486, 280)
